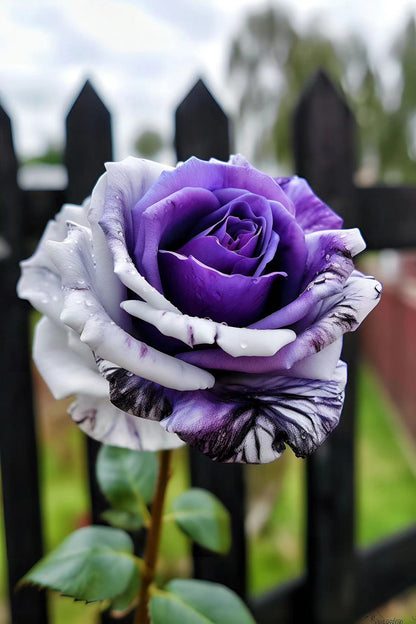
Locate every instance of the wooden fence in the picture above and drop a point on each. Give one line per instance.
(342, 583)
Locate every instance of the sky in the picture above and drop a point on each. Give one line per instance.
(142, 56)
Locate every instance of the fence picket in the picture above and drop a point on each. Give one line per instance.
(202, 131)
(324, 154)
(17, 424)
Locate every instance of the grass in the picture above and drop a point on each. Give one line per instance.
(385, 492)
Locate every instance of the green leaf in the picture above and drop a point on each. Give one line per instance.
(198, 602)
(94, 563)
(123, 519)
(123, 601)
(203, 518)
(127, 478)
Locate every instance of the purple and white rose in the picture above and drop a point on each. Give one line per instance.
(202, 304)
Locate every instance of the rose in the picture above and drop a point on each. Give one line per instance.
(207, 301)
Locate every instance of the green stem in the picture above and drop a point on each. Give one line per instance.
(153, 540)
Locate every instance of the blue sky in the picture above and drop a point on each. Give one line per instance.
(142, 55)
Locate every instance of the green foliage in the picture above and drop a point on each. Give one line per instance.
(94, 563)
(198, 602)
(123, 602)
(128, 480)
(201, 516)
(149, 143)
(51, 156)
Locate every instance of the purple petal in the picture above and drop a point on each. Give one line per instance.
(311, 212)
(246, 419)
(212, 175)
(340, 313)
(209, 251)
(165, 223)
(250, 419)
(199, 290)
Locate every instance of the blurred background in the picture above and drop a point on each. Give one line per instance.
(142, 58)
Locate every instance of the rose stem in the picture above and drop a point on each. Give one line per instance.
(153, 539)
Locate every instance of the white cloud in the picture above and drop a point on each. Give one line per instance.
(142, 57)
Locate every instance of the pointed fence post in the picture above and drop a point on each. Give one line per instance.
(88, 147)
(202, 130)
(88, 143)
(17, 423)
(324, 155)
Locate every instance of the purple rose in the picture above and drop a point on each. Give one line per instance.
(203, 304)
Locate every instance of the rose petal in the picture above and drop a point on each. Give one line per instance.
(112, 200)
(199, 290)
(343, 312)
(249, 419)
(193, 331)
(84, 313)
(311, 212)
(101, 420)
(40, 282)
(166, 222)
(210, 252)
(63, 369)
(213, 175)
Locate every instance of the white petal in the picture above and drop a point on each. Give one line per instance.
(321, 365)
(239, 341)
(84, 313)
(104, 422)
(64, 371)
(193, 330)
(40, 283)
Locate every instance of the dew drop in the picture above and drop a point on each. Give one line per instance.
(224, 323)
(303, 435)
(320, 280)
(129, 374)
(243, 345)
(378, 288)
(112, 323)
(327, 257)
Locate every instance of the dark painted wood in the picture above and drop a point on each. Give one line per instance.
(201, 126)
(387, 216)
(226, 481)
(285, 604)
(384, 571)
(88, 143)
(88, 147)
(39, 206)
(324, 154)
(17, 422)
(202, 130)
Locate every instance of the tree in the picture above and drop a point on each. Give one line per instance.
(149, 143)
(269, 64)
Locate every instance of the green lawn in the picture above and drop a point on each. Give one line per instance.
(385, 487)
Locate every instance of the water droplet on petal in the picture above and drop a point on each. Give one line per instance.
(243, 345)
(327, 257)
(224, 323)
(129, 374)
(320, 280)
